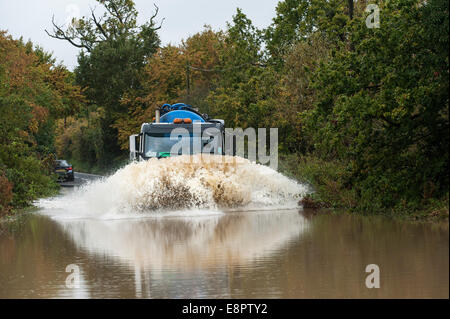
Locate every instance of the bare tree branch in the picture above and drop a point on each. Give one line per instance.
(96, 30)
(116, 11)
(127, 17)
(98, 25)
(156, 12)
(160, 25)
(61, 35)
(154, 16)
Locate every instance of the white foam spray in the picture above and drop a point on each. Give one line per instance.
(197, 184)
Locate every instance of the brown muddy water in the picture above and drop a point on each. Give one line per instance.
(240, 254)
(135, 234)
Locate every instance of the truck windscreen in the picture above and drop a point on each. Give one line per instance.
(161, 143)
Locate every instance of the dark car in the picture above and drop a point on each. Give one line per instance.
(64, 170)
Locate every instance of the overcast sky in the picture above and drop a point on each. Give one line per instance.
(29, 18)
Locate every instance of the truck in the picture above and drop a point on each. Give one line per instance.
(178, 129)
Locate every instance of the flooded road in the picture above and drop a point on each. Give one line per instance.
(79, 245)
(269, 254)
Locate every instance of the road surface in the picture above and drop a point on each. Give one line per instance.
(80, 178)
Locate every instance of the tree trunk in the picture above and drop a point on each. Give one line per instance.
(350, 9)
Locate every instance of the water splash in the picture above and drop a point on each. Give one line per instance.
(199, 182)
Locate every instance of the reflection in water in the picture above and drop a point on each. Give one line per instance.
(283, 254)
(187, 246)
(188, 243)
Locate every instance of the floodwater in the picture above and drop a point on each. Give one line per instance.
(270, 254)
(65, 249)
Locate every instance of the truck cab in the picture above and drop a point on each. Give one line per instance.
(178, 129)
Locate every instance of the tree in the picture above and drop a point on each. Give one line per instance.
(165, 78)
(163, 81)
(34, 92)
(298, 20)
(383, 106)
(291, 24)
(114, 49)
(240, 70)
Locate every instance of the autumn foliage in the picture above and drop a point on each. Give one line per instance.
(34, 93)
(5, 193)
(368, 107)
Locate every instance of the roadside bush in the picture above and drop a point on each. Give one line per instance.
(328, 180)
(331, 187)
(80, 141)
(6, 194)
(30, 180)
